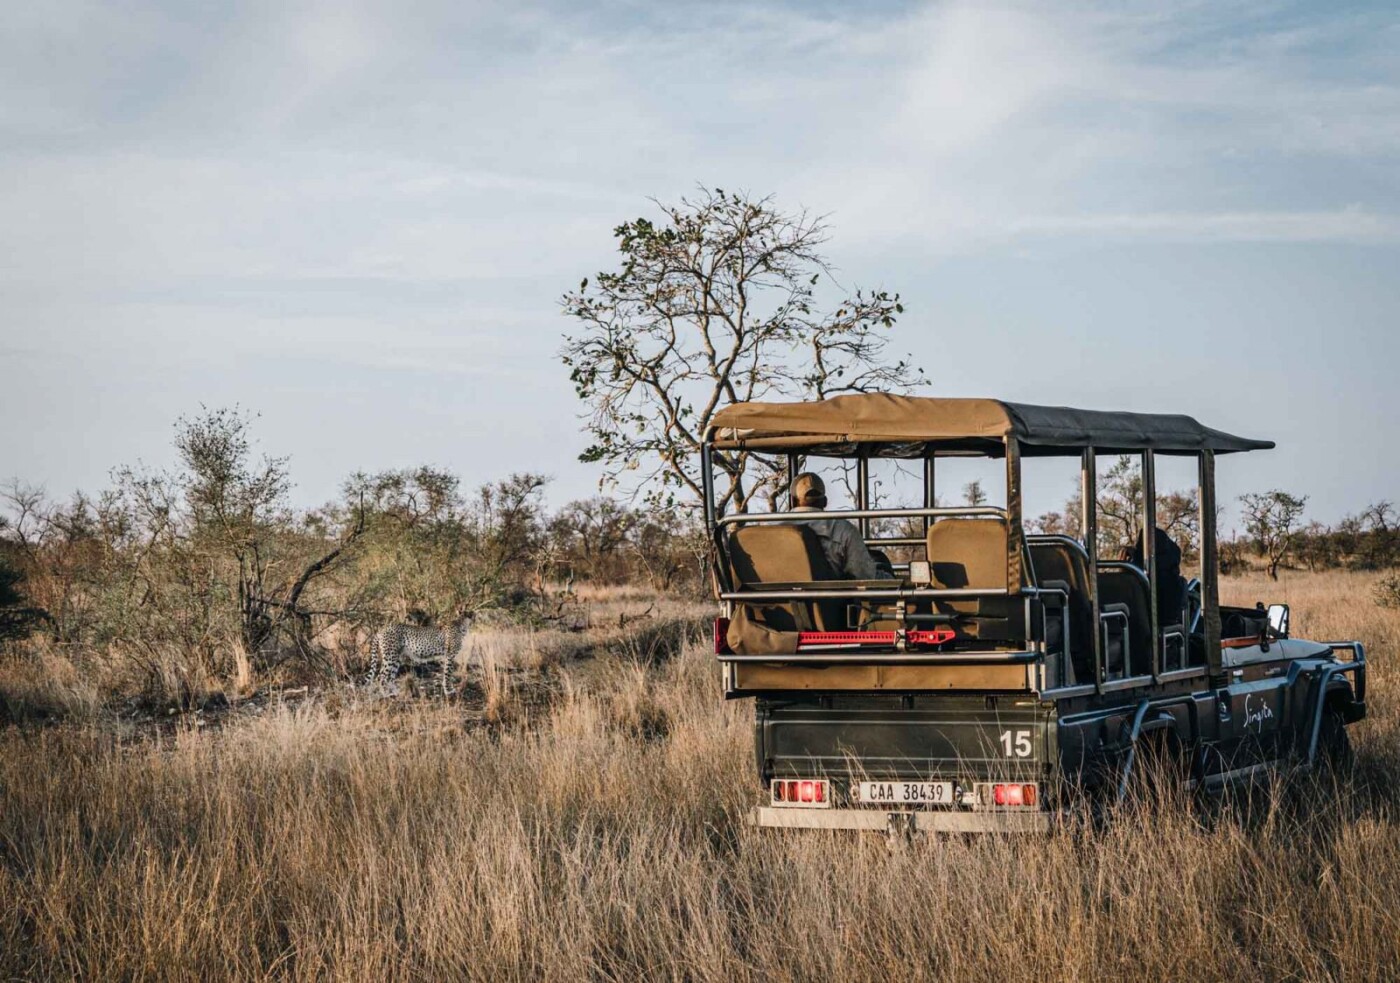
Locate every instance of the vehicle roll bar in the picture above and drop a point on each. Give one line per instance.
(879, 594)
(978, 511)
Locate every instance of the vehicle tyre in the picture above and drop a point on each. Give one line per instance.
(1334, 752)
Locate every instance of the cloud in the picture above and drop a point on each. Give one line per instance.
(362, 141)
(408, 188)
(1349, 225)
(1012, 121)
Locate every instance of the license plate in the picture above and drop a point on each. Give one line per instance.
(906, 793)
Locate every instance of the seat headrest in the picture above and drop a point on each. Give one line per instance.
(1060, 561)
(970, 553)
(777, 553)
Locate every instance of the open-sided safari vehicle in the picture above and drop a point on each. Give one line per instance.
(998, 674)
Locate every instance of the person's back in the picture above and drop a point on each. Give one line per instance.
(1171, 585)
(841, 541)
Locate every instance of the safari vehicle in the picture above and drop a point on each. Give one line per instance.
(1001, 675)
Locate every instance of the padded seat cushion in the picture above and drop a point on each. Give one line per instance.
(1118, 586)
(775, 553)
(783, 554)
(968, 553)
(973, 553)
(1062, 562)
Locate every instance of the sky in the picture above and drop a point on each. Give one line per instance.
(356, 219)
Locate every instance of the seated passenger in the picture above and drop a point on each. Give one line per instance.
(1171, 585)
(841, 541)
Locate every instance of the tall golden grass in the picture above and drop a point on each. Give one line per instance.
(602, 837)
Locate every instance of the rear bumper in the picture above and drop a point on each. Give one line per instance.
(924, 821)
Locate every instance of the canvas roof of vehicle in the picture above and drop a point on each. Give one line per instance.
(912, 426)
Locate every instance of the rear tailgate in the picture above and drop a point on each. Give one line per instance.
(910, 737)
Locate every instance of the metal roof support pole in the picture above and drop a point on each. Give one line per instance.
(791, 479)
(707, 481)
(1149, 553)
(719, 558)
(1210, 570)
(930, 491)
(1015, 534)
(1089, 523)
(863, 491)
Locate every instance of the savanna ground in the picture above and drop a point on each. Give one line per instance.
(578, 813)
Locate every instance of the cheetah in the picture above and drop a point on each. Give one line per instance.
(396, 647)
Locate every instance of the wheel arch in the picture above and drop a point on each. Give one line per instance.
(1341, 698)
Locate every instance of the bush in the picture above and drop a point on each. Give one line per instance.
(16, 618)
(1387, 590)
(206, 578)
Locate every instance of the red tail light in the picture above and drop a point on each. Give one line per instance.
(812, 793)
(1006, 795)
(722, 637)
(1014, 795)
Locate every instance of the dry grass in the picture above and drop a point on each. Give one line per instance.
(602, 838)
(42, 680)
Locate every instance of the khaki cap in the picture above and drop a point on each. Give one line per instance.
(809, 489)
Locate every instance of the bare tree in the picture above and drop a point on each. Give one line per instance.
(715, 304)
(1316, 547)
(1179, 516)
(442, 553)
(233, 503)
(1382, 538)
(227, 506)
(28, 516)
(508, 523)
(1120, 508)
(973, 493)
(1271, 519)
(589, 537)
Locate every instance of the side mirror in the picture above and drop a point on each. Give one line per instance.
(1278, 620)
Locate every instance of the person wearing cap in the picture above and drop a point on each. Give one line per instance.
(841, 541)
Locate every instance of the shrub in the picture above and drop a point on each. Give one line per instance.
(17, 619)
(1387, 590)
